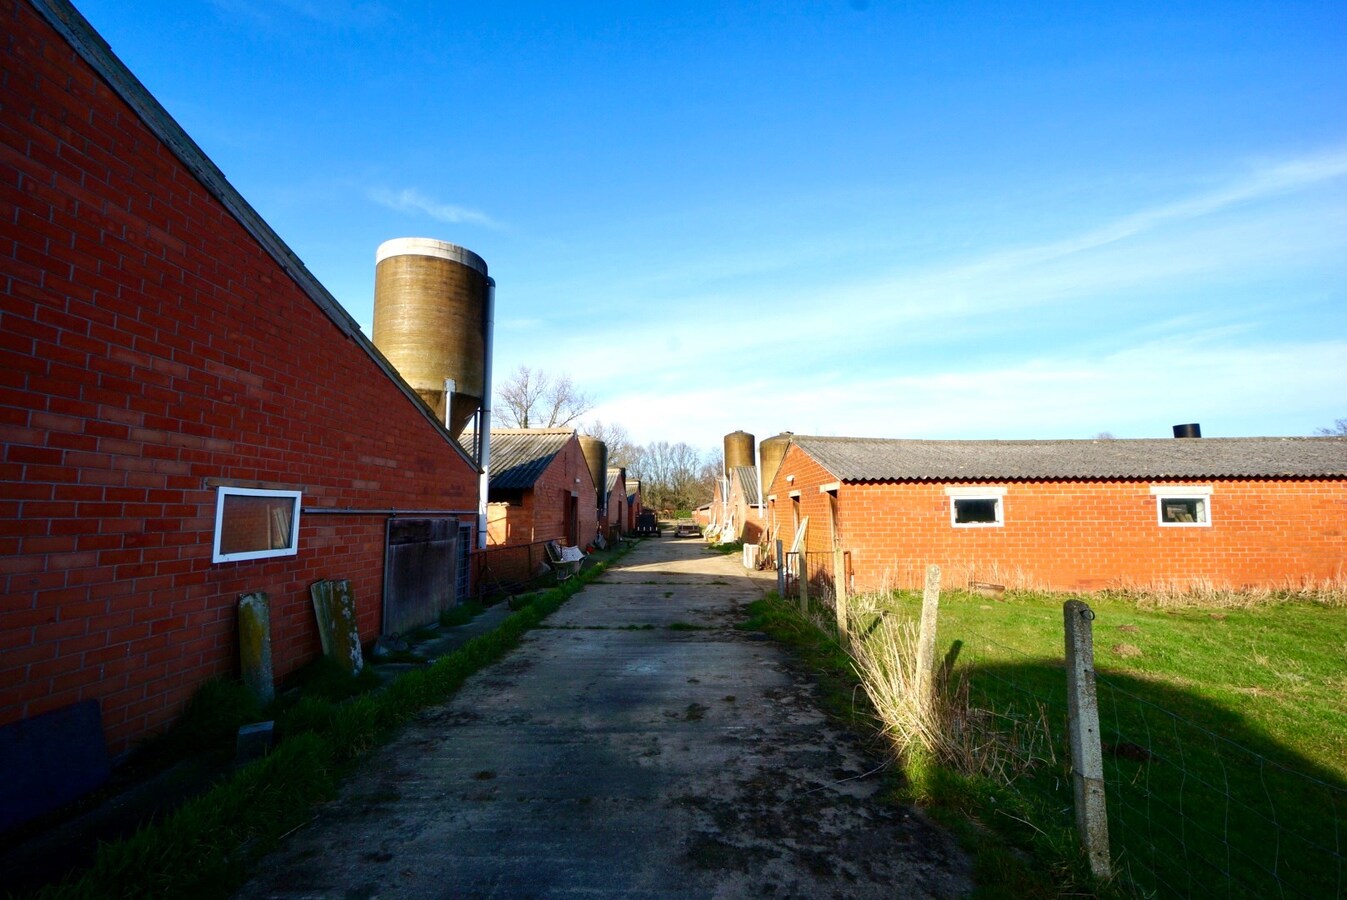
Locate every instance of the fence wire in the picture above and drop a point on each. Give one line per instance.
(1193, 812)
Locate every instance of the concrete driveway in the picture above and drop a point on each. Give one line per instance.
(635, 746)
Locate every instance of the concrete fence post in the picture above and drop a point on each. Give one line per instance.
(802, 574)
(780, 570)
(930, 609)
(840, 592)
(1087, 761)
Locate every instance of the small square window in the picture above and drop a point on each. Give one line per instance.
(255, 524)
(973, 511)
(1183, 511)
(1183, 505)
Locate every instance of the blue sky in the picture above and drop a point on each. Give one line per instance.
(888, 219)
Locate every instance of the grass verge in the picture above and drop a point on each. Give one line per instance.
(1007, 861)
(1223, 733)
(1222, 727)
(203, 849)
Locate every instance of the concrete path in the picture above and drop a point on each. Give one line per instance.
(636, 746)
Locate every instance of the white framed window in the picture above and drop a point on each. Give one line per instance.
(976, 507)
(1182, 505)
(252, 523)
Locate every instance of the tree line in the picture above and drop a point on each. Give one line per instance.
(673, 476)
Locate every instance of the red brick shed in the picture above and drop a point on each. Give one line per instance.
(616, 489)
(541, 488)
(162, 353)
(1071, 515)
(735, 511)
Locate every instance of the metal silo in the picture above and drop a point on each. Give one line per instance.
(738, 450)
(773, 450)
(596, 460)
(431, 314)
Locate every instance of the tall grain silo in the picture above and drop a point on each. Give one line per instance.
(431, 319)
(738, 450)
(773, 451)
(595, 452)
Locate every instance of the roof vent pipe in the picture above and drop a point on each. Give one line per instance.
(1191, 430)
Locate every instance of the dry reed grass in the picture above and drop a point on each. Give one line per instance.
(945, 724)
(1206, 594)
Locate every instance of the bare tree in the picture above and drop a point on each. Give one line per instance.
(1105, 436)
(621, 451)
(669, 475)
(530, 398)
(713, 467)
(1339, 429)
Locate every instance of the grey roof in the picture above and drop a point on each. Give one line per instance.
(748, 483)
(610, 482)
(881, 459)
(519, 456)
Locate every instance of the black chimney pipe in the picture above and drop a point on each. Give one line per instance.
(1191, 430)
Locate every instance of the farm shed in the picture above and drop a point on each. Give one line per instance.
(1070, 514)
(615, 484)
(187, 414)
(540, 488)
(735, 508)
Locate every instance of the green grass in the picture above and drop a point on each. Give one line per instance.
(461, 614)
(1224, 734)
(1003, 867)
(203, 849)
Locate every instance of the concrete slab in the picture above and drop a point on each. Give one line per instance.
(612, 755)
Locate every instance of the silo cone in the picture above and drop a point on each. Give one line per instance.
(255, 646)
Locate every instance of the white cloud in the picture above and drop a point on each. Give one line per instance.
(906, 353)
(1139, 392)
(410, 200)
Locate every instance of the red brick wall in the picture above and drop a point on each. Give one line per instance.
(807, 476)
(542, 515)
(552, 492)
(148, 348)
(1077, 535)
(617, 509)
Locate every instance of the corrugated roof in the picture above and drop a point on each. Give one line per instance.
(881, 459)
(519, 456)
(611, 481)
(748, 482)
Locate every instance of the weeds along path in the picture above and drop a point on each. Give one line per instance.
(635, 745)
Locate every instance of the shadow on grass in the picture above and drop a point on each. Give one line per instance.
(1200, 803)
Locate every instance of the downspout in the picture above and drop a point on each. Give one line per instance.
(762, 501)
(484, 425)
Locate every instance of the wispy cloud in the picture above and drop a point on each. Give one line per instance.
(1139, 392)
(951, 350)
(410, 200)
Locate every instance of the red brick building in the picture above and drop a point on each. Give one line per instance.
(163, 354)
(541, 489)
(1070, 515)
(617, 516)
(735, 512)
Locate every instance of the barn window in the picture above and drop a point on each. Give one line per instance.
(255, 524)
(975, 507)
(1184, 505)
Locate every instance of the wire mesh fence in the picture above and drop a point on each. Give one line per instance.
(1195, 813)
(501, 571)
(1200, 803)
